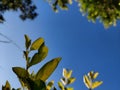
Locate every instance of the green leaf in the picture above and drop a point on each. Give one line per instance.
(61, 85)
(7, 86)
(20, 72)
(36, 44)
(26, 55)
(48, 69)
(27, 41)
(36, 84)
(71, 80)
(38, 57)
(24, 82)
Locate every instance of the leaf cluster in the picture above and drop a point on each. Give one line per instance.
(26, 7)
(89, 80)
(37, 81)
(107, 11)
(66, 80)
(63, 4)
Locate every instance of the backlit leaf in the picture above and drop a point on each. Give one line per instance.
(36, 44)
(27, 41)
(60, 85)
(96, 84)
(20, 72)
(71, 80)
(7, 86)
(67, 73)
(48, 69)
(87, 82)
(38, 57)
(95, 75)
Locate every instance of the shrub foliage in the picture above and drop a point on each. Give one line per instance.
(38, 81)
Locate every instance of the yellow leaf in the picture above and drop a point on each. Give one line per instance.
(36, 44)
(96, 84)
(95, 75)
(67, 73)
(7, 86)
(71, 80)
(69, 88)
(40, 56)
(60, 85)
(87, 82)
(64, 72)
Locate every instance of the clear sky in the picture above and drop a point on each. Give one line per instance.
(83, 46)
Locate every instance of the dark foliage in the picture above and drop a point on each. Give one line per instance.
(26, 7)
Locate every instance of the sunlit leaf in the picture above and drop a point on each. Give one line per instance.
(87, 82)
(20, 72)
(48, 69)
(96, 84)
(95, 75)
(60, 85)
(36, 44)
(71, 80)
(38, 57)
(27, 41)
(67, 73)
(7, 86)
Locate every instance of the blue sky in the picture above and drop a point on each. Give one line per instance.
(83, 46)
